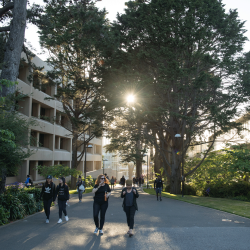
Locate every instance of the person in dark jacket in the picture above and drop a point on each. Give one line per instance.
(158, 186)
(123, 181)
(48, 195)
(78, 184)
(102, 192)
(62, 190)
(130, 195)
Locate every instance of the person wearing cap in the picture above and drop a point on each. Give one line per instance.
(48, 194)
(78, 184)
(130, 194)
(62, 190)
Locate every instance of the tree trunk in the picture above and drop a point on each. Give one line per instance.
(74, 158)
(175, 185)
(14, 45)
(138, 168)
(3, 180)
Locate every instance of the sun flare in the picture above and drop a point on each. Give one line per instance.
(130, 98)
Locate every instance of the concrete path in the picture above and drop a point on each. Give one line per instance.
(165, 225)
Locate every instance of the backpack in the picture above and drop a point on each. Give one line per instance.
(30, 181)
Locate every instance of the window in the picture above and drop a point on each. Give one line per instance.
(41, 140)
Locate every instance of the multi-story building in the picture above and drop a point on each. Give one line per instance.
(51, 141)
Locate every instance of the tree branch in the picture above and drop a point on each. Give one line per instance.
(7, 28)
(6, 8)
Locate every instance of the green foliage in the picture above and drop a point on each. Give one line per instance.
(4, 215)
(232, 190)
(89, 182)
(58, 171)
(175, 56)
(16, 202)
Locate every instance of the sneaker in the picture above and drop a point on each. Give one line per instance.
(96, 230)
(59, 221)
(47, 221)
(100, 232)
(66, 218)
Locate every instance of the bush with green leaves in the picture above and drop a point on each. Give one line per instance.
(28, 202)
(58, 171)
(4, 215)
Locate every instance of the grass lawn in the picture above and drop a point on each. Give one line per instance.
(241, 208)
(87, 190)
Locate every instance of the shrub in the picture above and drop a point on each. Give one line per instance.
(231, 190)
(189, 190)
(14, 206)
(4, 215)
(28, 202)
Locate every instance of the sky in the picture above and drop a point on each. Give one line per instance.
(114, 6)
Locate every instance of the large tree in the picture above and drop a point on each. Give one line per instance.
(75, 35)
(183, 57)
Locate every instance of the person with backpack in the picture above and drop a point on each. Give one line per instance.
(158, 186)
(62, 191)
(80, 185)
(28, 181)
(48, 194)
(130, 195)
(112, 183)
(102, 192)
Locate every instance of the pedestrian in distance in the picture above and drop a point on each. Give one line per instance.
(134, 181)
(123, 181)
(62, 191)
(112, 183)
(158, 186)
(48, 194)
(80, 183)
(140, 181)
(28, 181)
(102, 192)
(130, 194)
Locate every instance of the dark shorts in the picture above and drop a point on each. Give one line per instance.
(158, 190)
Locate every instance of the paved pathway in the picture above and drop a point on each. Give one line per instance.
(165, 225)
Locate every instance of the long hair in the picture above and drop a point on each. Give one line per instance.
(98, 180)
(63, 179)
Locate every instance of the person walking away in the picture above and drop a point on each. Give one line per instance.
(62, 190)
(140, 181)
(102, 192)
(48, 194)
(134, 181)
(112, 183)
(123, 181)
(130, 194)
(79, 183)
(158, 186)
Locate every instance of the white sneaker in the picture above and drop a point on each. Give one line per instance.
(59, 221)
(96, 230)
(66, 218)
(47, 221)
(101, 232)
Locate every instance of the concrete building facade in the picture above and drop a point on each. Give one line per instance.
(51, 140)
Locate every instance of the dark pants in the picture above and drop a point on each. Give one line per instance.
(46, 206)
(130, 213)
(80, 194)
(62, 208)
(100, 207)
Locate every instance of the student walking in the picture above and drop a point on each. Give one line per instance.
(158, 186)
(130, 195)
(102, 192)
(112, 183)
(80, 184)
(48, 194)
(62, 190)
